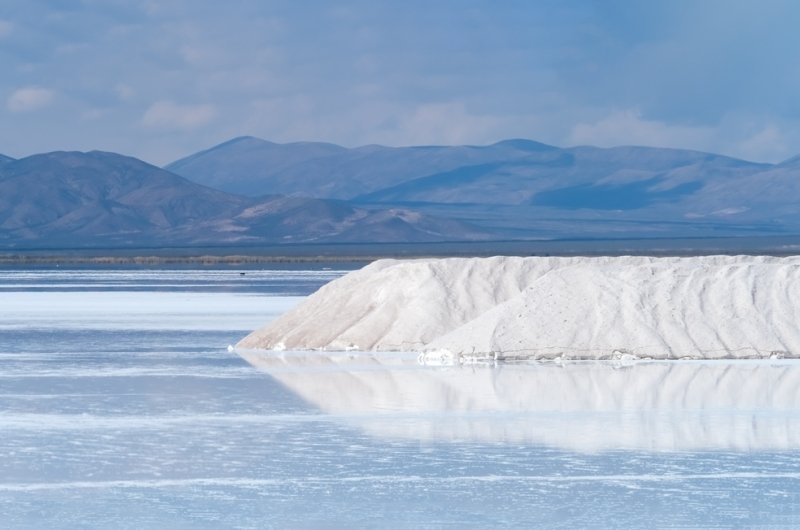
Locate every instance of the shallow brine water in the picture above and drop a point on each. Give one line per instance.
(120, 406)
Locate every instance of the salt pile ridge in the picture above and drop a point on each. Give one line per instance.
(540, 308)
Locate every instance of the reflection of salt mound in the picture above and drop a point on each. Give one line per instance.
(708, 307)
(580, 406)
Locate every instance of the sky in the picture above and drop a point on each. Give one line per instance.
(160, 80)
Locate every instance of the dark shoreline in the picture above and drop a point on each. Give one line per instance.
(175, 260)
(366, 252)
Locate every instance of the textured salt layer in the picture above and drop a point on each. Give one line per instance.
(572, 308)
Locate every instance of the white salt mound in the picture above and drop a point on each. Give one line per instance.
(538, 308)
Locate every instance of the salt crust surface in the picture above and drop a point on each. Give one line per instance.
(547, 307)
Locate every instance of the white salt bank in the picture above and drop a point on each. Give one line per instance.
(543, 308)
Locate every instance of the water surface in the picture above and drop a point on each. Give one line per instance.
(121, 406)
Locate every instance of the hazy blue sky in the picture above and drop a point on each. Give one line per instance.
(161, 79)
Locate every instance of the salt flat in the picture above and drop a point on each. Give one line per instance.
(138, 310)
(138, 416)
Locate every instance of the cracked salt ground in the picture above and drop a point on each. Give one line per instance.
(115, 422)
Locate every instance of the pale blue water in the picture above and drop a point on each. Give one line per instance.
(120, 407)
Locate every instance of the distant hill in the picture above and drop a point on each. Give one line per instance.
(522, 188)
(793, 162)
(250, 166)
(585, 177)
(243, 164)
(75, 199)
(508, 172)
(316, 192)
(71, 197)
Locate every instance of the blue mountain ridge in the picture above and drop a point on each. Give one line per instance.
(523, 188)
(75, 199)
(248, 191)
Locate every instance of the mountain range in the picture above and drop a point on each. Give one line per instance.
(249, 191)
(99, 199)
(522, 188)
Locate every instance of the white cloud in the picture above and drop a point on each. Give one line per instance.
(745, 136)
(170, 115)
(445, 123)
(767, 143)
(72, 48)
(29, 98)
(301, 117)
(94, 114)
(153, 8)
(627, 127)
(203, 56)
(6, 28)
(125, 92)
